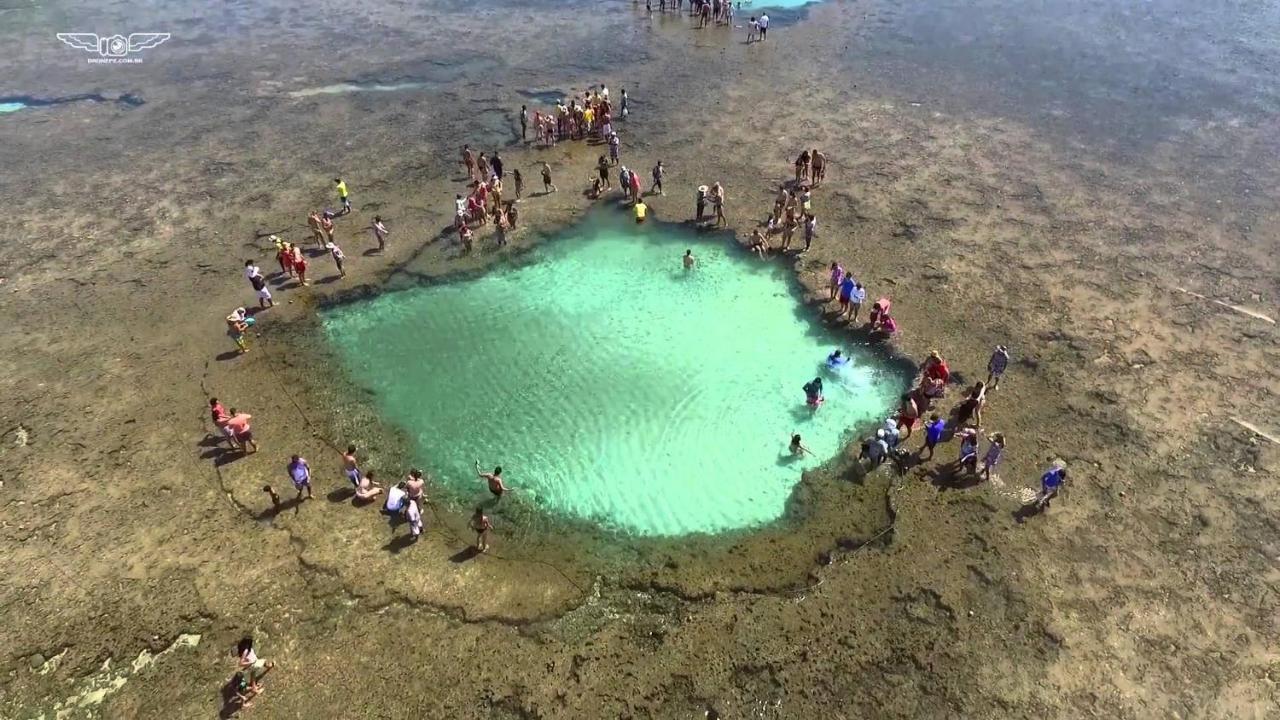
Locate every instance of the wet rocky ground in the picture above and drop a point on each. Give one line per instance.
(1073, 181)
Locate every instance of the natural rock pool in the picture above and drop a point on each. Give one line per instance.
(610, 383)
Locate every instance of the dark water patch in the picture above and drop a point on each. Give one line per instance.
(546, 97)
(31, 101)
(1120, 76)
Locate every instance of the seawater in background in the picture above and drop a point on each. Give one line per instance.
(612, 385)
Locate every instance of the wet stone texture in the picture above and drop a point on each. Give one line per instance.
(1090, 184)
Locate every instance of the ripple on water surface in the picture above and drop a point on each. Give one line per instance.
(611, 384)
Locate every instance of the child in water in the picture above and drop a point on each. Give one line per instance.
(797, 447)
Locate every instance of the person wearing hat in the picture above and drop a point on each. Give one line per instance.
(1052, 481)
(875, 449)
(996, 366)
(702, 202)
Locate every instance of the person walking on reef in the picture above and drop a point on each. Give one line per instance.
(469, 161)
(1050, 483)
(338, 257)
(658, 173)
(524, 123)
(380, 232)
(496, 164)
(343, 195)
(300, 474)
(996, 366)
(547, 186)
(764, 27)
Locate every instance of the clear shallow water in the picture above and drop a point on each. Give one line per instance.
(8, 107)
(751, 8)
(611, 384)
(344, 88)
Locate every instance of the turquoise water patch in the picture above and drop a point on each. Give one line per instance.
(610, 383)
(750, 8)
(8, 107)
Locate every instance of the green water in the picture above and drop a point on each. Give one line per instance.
(610, 383)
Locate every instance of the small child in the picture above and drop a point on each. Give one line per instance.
(994, 452)
(969, 450)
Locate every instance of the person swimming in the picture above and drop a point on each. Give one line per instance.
(813, 393)
(837, 359)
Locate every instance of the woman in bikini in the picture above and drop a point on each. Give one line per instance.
(481, 524)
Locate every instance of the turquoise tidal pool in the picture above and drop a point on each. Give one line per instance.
(610, 383)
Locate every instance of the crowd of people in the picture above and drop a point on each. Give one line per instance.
(491, 202)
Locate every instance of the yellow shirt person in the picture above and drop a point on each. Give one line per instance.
(342, 193)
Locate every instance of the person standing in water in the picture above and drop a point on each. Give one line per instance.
(641, 210)
(813, 393)
(496, 164)
(519, 182)
(481, 524)
(524, 123)
(494, 479)
(689, 260)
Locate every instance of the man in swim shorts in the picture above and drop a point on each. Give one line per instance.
(494, 479)
(350, 467)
